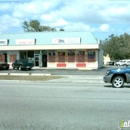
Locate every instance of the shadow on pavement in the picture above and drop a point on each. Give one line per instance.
(110, 86)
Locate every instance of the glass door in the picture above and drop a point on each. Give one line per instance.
(36, 59)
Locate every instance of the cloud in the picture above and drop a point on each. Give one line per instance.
(7, 22)
(5, 6)
(74, 15)
(59, 23)
(104, 27)
(77, 27)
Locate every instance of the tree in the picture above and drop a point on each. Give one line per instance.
(117, 46)
(34, 26)
(61, 29)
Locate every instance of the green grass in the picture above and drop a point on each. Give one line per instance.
(29, 78)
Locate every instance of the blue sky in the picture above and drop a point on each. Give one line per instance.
(101, 17)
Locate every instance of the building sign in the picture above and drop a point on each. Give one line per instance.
(3, 42)
(25, 41)
(66, 41)
(2, 58)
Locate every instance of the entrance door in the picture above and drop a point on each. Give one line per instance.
(36, 60)
(44, 60)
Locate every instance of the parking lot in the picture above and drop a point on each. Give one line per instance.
(100, 71)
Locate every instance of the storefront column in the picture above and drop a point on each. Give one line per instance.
(40, 59)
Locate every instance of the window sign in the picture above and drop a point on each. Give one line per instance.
(12, 57)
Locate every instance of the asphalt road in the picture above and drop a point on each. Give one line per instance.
(100, 71)
(66, 106)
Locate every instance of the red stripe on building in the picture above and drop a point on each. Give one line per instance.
(61, 65)
(81, 65)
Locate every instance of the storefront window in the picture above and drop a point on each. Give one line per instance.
(81, 53)
(51, 56)
(61, 56)
(91, 56)
(81, 56)
(71, 56)
(71, 53)
(51, 53)
(12, 57)
(23, 54)
(30, 56)
(61, 53)
(2, 58)
(37, 52)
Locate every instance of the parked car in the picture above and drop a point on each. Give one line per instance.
(117, 77)
(112, 62)
(22, 64)
(120, 63)
(126, 63)
(4, 65)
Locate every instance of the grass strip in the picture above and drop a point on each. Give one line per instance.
(29, 78)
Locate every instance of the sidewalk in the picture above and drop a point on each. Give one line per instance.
(78, 79)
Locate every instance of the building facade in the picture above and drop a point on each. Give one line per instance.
(53, 49)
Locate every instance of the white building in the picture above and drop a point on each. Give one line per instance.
(53, 49)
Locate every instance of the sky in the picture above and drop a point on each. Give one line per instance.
(101, 17)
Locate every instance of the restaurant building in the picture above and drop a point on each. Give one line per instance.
(53, 49)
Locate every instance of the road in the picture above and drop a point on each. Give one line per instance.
(64, 106)
(100, 71)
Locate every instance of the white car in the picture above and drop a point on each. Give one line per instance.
(127, 63)
(122, 62)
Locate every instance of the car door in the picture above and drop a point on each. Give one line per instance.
(15, 64)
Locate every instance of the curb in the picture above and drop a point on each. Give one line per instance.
(40, 74)
(49, 81)
(24, 74)
(19, 74)
(85, 69)
(4, 74)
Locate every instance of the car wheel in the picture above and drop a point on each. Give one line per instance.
(30, 68)
(118, 82)
(20, 67)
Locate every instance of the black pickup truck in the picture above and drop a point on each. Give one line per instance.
(22, 64)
